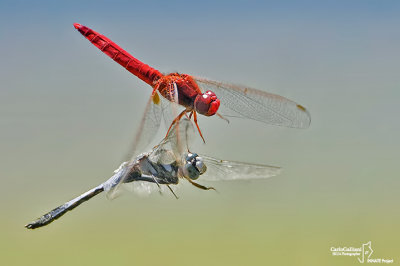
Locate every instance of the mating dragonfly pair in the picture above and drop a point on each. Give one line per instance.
(171, 160)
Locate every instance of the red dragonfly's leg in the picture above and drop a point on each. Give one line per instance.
(154, 91)
(175, 121)
(197, 125)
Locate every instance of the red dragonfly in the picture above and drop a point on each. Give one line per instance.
(197, 95)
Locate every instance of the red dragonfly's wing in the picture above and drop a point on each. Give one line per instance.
(157, 107)
(148, 126)
(257, 105)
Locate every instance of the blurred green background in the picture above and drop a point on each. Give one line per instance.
(68, 114)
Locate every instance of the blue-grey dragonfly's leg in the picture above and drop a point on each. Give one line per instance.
(198, 185)
(170, 189)
(151, 179)
(61, 210)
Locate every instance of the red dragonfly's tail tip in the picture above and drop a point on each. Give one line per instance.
(77, 26)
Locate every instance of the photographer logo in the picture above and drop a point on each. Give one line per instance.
(362, 253)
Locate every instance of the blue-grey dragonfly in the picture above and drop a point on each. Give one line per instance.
(164, 166)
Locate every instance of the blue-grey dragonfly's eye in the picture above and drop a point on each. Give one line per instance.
(194, 166)
(200, 165)
(191, 171)
(191, 156)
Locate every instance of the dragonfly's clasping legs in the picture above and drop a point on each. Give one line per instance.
(197, 125)
(179, 117)
(176, 120)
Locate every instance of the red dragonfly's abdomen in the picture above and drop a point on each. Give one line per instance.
(133, 65)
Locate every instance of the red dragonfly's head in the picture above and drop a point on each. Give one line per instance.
(207, 103)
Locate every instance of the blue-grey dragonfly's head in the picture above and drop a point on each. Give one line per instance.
(194, 166)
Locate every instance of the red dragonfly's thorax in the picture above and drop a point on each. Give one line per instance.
(183, 84)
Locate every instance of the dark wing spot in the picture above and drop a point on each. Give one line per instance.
(301, 107)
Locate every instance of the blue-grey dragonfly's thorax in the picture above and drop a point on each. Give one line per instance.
(165, 173)
(194, 166)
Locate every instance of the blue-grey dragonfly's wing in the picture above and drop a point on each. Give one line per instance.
(217, 169)
(243, 102)
(160, 162)
(174, 146)
(146, 171)
(220, 170)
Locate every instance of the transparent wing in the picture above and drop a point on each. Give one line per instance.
(170, 150)
(174, 145)
(148, 127)
(114, 187)
(257, 105)
(219, 170)
(144, 188)
(156, 108)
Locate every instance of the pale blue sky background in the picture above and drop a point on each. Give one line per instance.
(67, 113)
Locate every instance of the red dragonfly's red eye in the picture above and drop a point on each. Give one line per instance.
(207, 104)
